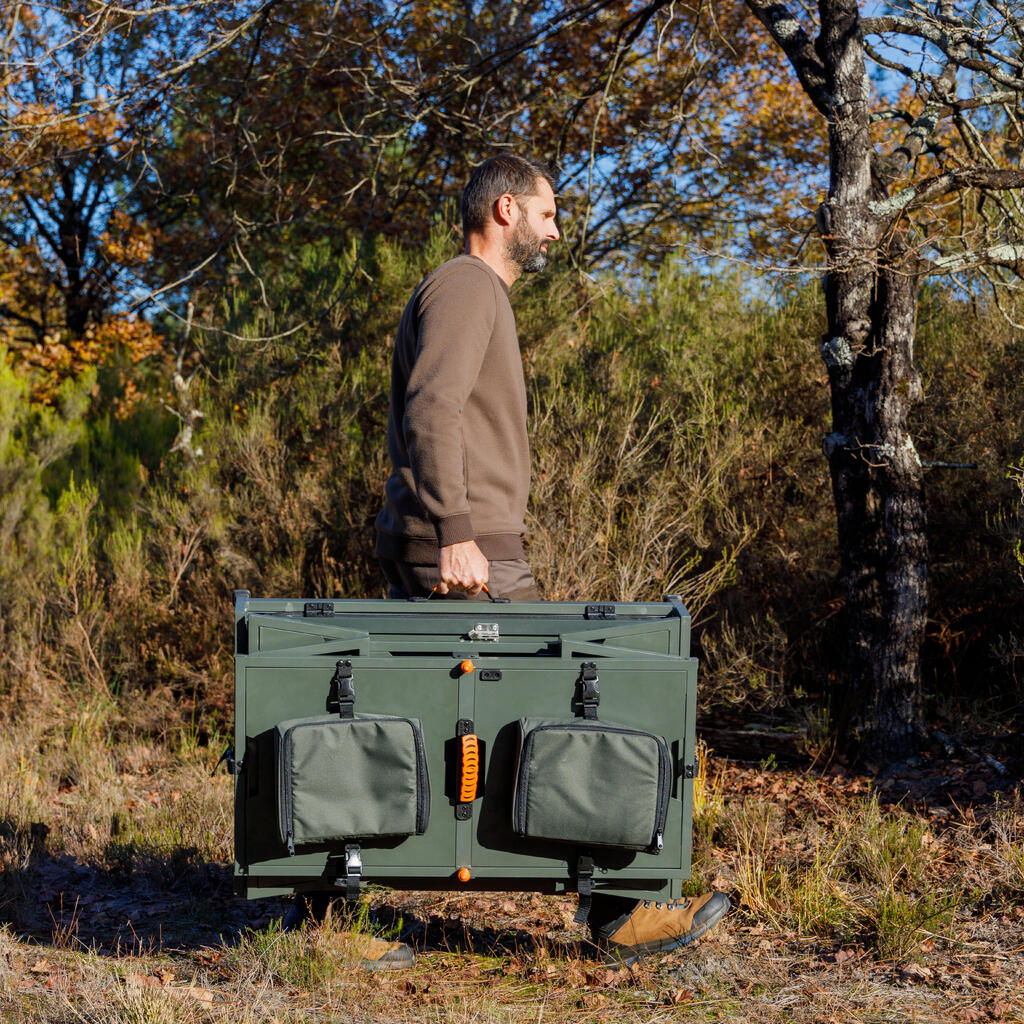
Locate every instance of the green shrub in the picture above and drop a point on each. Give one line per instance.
(33, 438)
(676, 423)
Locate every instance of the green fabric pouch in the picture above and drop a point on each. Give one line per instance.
(591, 782)
(350, 778)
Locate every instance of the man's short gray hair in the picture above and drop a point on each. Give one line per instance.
(515, 175)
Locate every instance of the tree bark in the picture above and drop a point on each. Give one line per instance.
(871, 296)
(877, 485)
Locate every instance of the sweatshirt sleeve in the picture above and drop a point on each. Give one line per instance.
(456, 315)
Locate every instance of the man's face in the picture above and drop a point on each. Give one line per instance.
(534, 230)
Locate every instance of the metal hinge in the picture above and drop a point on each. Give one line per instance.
(485, 631)
(317, 609)
(599, 611)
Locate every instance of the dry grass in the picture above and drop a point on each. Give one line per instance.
(117, 893)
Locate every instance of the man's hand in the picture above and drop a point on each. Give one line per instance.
(463, 567)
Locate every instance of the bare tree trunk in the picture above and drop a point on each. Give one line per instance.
(871, 295)
(877, 483)
(875, 190)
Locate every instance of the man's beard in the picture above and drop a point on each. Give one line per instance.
(524, 250)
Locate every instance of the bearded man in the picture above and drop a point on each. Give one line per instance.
(455, 503)
(453, 518)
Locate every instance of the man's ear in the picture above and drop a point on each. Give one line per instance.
(503, 208)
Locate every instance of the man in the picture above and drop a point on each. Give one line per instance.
(453, 518)
(456, 501)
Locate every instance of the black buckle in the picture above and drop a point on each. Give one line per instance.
(584, 886)
(342, 679)
(590, 695)
(353, 871)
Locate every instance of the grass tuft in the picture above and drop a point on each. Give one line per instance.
(885, 848)
(901, 922)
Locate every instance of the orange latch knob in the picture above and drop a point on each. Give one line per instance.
(464, 875)
(466, 667)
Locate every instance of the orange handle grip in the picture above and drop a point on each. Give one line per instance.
(469, 768)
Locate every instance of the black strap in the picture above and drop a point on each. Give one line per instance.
(353, 870)
(234, 767)
(346, 690)
(590, 695)
(584, 886)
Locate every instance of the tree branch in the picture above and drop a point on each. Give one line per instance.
(1006, 255)
(891, 167)
(931, 189)
(795, 43)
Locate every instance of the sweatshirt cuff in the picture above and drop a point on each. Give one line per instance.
(454, 529)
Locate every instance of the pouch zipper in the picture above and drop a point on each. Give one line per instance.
(284, 789)
(664, 790)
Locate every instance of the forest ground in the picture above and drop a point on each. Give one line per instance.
(886, 898)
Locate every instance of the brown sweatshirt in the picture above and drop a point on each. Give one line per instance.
(457, 421)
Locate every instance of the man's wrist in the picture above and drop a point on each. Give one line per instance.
(454, 529)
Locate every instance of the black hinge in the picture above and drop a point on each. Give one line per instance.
(599, 611)
(317, 609)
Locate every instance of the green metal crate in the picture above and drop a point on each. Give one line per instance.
(407, 659)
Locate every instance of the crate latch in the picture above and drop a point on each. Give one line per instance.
(346, 691)
(590, 695)
(353, 872)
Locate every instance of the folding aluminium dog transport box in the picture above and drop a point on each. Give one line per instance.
(461, 744)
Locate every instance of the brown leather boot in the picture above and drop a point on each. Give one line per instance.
(380, 955)
(657, 927)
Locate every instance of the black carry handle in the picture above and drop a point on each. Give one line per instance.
(490, 596)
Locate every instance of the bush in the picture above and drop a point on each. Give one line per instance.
(675, 425)
(33, 437)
